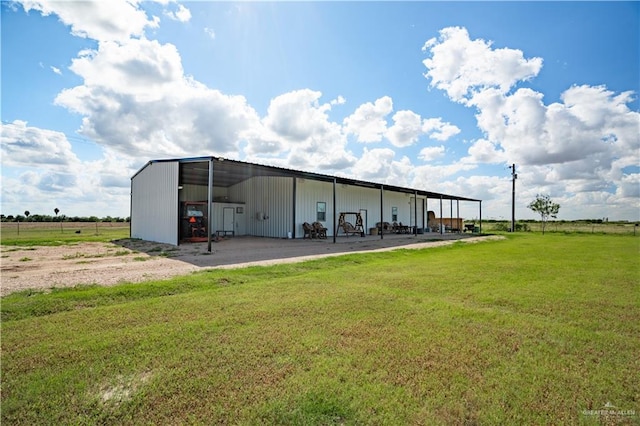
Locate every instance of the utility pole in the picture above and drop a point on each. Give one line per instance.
(514, 176)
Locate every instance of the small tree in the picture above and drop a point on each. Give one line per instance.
(545, 208)
(56, 211)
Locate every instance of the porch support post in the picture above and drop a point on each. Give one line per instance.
(415, 212)
(426, 212)
(451, 214)
(381, 211)
(210, 205)
(335, 225)
(441, 230)
(293, 226)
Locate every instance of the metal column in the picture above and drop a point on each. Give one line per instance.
(441, 231)
(415, 212)
(381, 211)
(210, 205)
(335, 225)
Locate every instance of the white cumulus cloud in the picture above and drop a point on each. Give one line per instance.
(368, 122)
(579, 146)
(461, 66)
(135, 98)
(113, 20)
(22, 145)
(431, 153)
(182, 14)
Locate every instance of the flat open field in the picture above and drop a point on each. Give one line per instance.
(618, 228)
(527, 329)
(57, 233)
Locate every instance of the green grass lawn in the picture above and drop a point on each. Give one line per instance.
(55, 234)
(528, 330)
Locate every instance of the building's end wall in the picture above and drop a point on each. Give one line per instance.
(154, 203)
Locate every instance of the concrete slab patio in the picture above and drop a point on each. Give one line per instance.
(243, 251)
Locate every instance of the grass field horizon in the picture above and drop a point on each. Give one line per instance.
(528, 330)
(59, 233)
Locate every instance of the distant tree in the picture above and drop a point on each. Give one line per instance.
(56, 211)
(545, 207)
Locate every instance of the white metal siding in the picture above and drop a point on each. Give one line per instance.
(399, 200)
(239, 218)
(268, 210)
(308, 194)
(354, 199)
(350, 199)
(154, 203)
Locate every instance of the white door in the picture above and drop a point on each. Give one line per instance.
(228, 219)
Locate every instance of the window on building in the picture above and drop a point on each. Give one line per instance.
(321, 211)
(394, 214)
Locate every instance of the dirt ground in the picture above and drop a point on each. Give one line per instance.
(135, 261)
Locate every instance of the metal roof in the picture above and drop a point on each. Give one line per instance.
(227, 173)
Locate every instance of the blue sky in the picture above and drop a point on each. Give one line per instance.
(440, 96)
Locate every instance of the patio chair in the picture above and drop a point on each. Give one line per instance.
(321, 231)
(403, 229)
(309, 231)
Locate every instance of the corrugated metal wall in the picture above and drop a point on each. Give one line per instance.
(354, 199)
(269, 205)
(308, 194)
(239, 218)
(402, 202)
(154, 203)
(350, 199)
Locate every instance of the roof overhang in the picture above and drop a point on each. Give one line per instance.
(228, 173)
